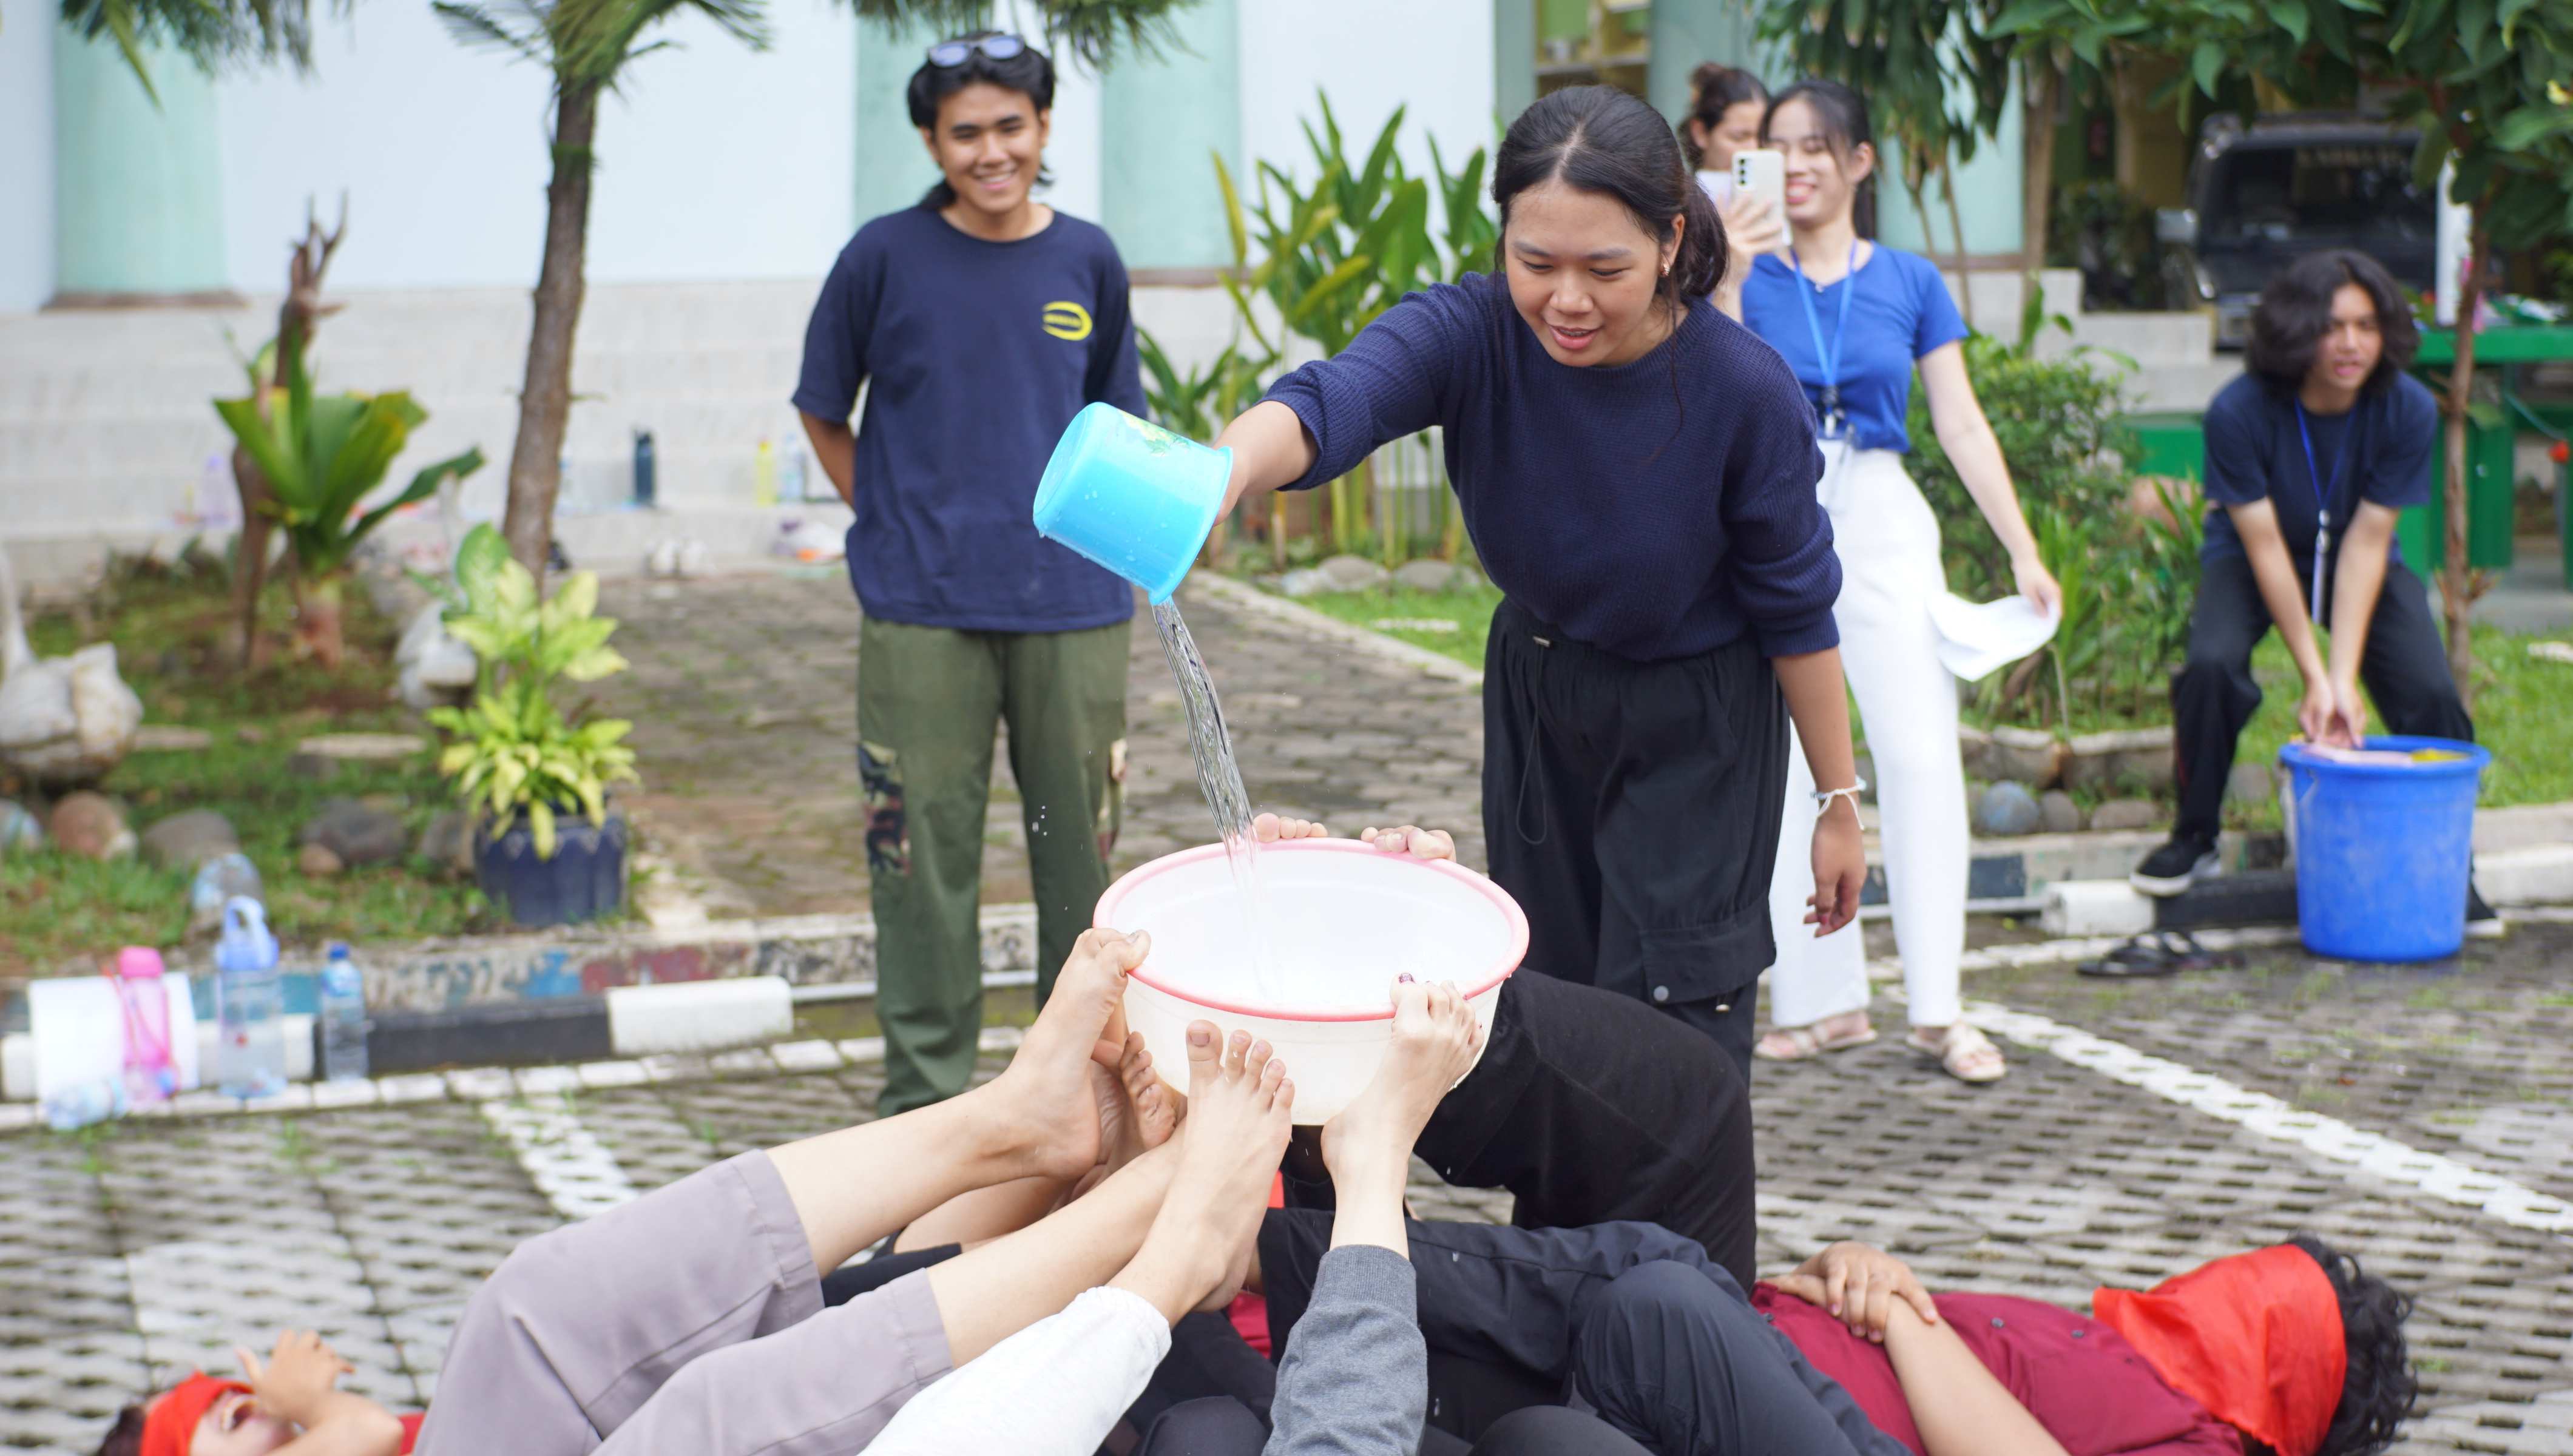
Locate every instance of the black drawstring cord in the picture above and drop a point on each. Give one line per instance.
(1535, 746)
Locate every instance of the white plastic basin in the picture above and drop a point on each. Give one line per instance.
(1347, 918)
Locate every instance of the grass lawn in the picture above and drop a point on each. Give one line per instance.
(59, 913)
(2523, 705)
(1470, 610)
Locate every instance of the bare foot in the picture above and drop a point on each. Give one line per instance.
(1269, 828)
(1436, 1038)
(1420, 844)
(1050, 1110)
(1136, 1113)
(1200, 1245)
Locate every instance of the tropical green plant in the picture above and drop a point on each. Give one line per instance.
(210, 32)
(1200, 402)
(1934, 82)
(2061, 431)
(515, 751)
(1334, 254)
(2488, 84)
(2107, 232)
(319, 456)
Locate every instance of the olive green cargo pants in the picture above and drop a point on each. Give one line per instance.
(929, 702)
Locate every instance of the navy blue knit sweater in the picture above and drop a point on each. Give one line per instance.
(1653, 510)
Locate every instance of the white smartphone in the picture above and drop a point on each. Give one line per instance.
(1760, 172)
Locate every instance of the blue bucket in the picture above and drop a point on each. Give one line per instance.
(2383, 851)
(1132, 497)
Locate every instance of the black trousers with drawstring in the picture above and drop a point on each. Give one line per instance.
(1633, 810)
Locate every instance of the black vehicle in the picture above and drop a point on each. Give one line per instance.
(2289, 186)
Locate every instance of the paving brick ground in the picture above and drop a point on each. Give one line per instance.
(132, 1252)
(745, 697)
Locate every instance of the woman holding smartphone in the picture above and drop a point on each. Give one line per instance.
(1854, 320)
(1638, 474)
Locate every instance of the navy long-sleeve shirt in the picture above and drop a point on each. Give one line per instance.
(1655, 509)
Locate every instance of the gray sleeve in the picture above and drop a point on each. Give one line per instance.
(1355, 1381)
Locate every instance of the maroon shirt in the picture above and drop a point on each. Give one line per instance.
(2091, 1390)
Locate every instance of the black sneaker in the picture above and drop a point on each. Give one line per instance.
(2175, 867)
(2483, 923)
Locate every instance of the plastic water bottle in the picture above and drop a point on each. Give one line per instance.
(343, 1017)
(143, 1000)
(764, 476)
(218, 880)
(645, 488)
(82, 1103)
(250, 1059)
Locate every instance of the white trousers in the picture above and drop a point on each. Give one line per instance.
(1888, 543)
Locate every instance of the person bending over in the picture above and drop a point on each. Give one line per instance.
(2310, 456)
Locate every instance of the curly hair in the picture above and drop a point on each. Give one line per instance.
(2294, 312)
(125, 1438)
(2378, 1390)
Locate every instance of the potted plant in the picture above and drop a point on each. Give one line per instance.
(534, 776)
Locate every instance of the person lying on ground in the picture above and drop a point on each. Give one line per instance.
(1357, 1380)
(2293, 1350)
(1589, 1106)
(287, 1405)
(693, 1319)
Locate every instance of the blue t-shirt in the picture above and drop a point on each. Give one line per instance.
(978, 354)
(1899, 313)
(2253, 452)
(1654, 509)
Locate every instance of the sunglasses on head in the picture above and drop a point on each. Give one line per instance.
(994, 48)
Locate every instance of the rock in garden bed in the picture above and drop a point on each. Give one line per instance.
(2120, 814)
(185, 841)
(90, 826)
(2128, 755)
(357, 833)
(2005, 810)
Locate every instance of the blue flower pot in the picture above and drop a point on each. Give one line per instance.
(584, 880)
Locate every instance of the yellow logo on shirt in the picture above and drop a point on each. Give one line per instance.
(1067, 321)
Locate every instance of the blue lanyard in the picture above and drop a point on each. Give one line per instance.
(2323, 496)
(1830, 359)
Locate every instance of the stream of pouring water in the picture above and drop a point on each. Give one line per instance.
(1219, 778)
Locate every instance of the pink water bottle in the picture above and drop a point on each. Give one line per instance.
(143, 999)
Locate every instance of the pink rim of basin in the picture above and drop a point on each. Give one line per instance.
(1140, 874)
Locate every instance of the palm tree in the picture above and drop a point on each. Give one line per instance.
(209, 32)
(586, 44)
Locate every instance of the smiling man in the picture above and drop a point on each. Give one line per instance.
(2310, 456)
(983, 320)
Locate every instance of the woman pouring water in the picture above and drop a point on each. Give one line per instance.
(1638, 473)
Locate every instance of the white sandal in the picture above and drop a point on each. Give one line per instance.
(1803, 1043)
(1965, 1054)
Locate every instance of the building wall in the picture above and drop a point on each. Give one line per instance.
(1370, 56)
(26, 164)
(715, 161)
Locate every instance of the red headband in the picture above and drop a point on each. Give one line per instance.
(170, 1427)
(2256, 1338)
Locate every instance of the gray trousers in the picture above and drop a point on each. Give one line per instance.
(689, 1320)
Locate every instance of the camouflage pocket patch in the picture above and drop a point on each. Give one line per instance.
(888, 827)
